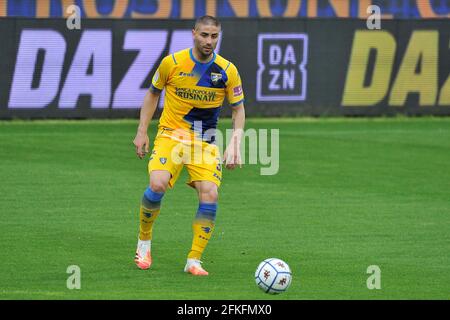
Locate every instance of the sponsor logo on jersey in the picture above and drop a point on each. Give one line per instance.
(184, 74)
(194, 94)
(237, 91)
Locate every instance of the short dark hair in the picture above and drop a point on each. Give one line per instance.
(209, 20)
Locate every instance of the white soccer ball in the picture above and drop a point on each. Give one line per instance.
(273, 276)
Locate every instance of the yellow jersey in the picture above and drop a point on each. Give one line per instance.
(195, 91)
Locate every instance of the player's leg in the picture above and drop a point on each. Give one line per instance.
(151, 202)
(163, 173)
(149, 211)
(205, 177)
(203, 224)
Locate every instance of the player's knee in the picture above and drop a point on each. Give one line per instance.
(152, 199)
(211, 195)
(158, 186)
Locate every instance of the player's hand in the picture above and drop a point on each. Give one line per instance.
(141, 142)
(232, 156)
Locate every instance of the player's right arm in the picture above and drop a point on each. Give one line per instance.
(141, 141)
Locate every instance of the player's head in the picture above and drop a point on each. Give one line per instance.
(206, 34)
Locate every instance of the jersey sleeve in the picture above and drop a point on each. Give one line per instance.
(234, 92)
(161, 75)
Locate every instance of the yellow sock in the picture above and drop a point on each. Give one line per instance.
(147, 217)
(149, 211)
(202, 228)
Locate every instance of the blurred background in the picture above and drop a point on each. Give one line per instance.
(95, 58)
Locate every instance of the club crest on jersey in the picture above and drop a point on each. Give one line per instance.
(216, 77)
(163, 160)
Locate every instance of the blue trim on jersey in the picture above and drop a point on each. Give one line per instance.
(229, 62)
(200, 67)
(203, 63)
(173, 57)
(154, 89)
(237, 103)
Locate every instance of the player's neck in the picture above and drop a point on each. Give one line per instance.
(200, 57)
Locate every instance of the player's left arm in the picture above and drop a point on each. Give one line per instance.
(235, 96)
(232, 154)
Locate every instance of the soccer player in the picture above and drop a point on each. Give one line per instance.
(196, 80)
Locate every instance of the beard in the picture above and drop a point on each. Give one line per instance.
(205, 52)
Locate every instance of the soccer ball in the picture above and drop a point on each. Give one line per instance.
(273, 276)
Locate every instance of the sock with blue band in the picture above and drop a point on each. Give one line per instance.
(202, 228)
(149, 211)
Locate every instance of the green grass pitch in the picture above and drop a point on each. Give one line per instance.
(349, 193)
